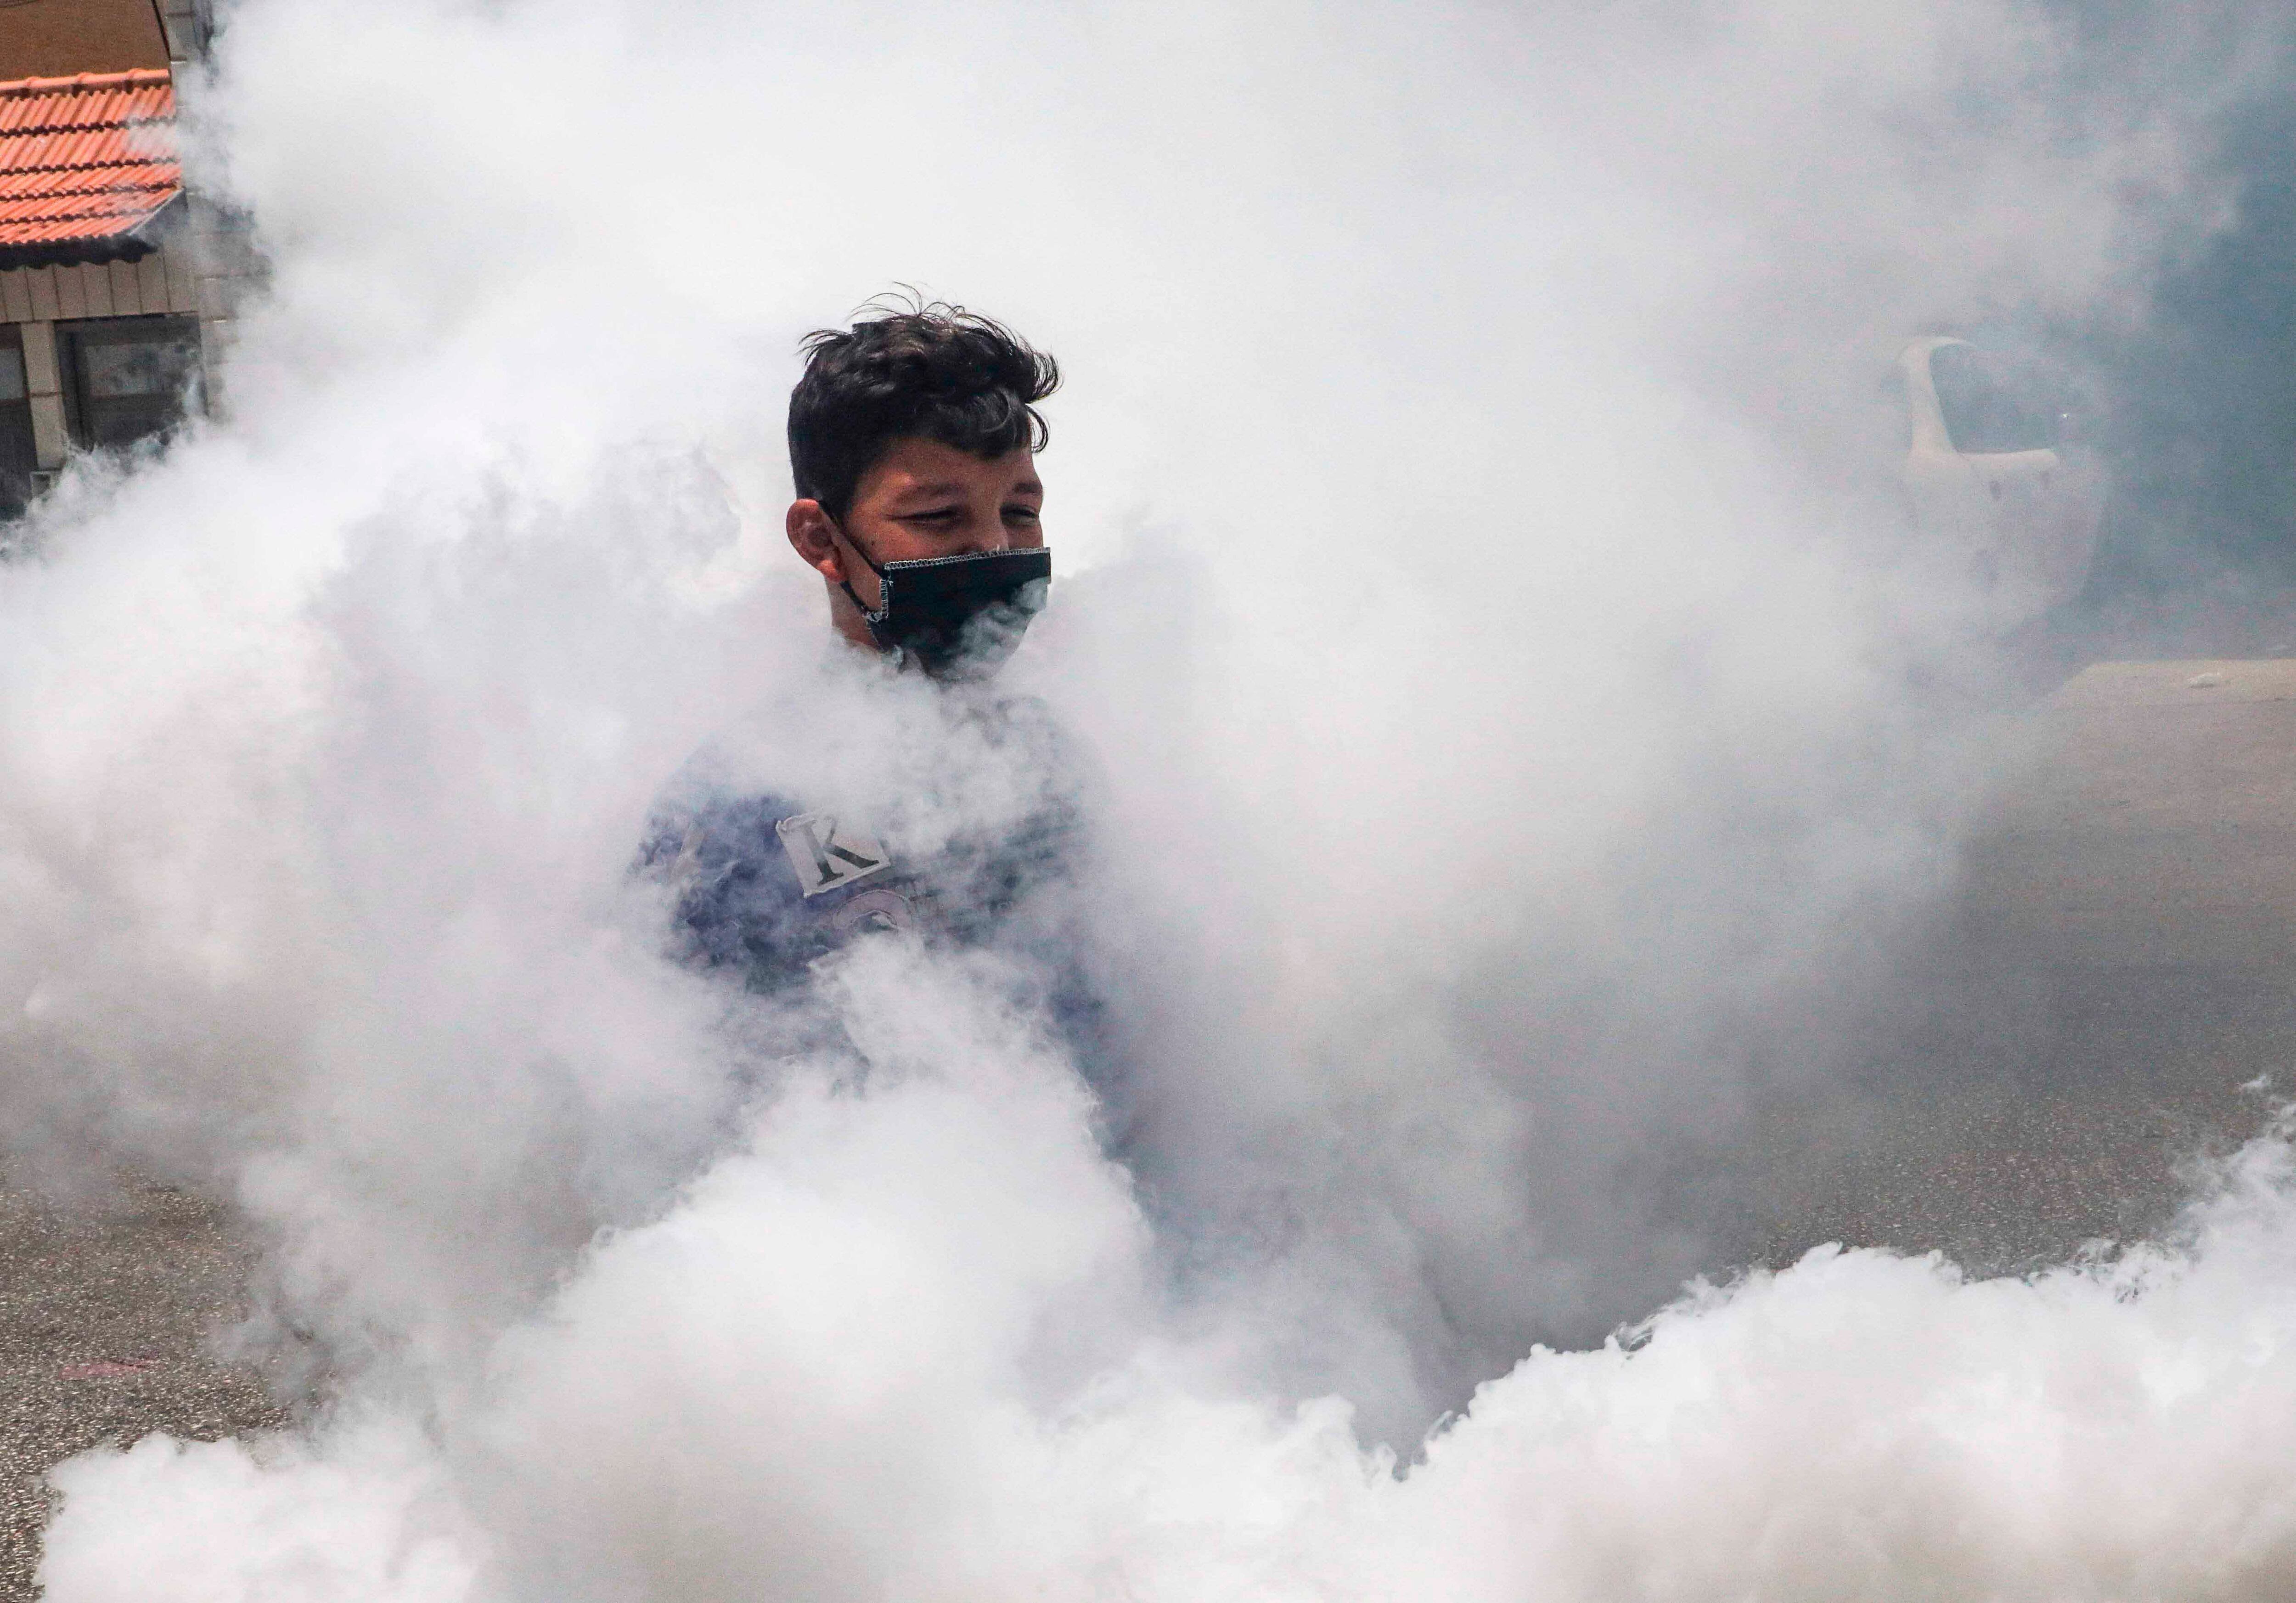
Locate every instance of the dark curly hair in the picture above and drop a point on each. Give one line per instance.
(918, 368)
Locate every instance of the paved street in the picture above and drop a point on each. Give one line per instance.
(102, 1315)
(2121, 963)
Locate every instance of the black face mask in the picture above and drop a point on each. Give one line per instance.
(955, 617)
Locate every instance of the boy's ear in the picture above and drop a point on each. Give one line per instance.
(812, 536)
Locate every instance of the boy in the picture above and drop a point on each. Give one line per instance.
(912, 441)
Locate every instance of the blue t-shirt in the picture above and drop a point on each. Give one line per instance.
(763, 885)
(765, 881)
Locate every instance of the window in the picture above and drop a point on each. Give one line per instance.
(1991, 406)
(18, 459)
(126, 378)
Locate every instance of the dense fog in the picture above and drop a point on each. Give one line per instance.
(1523, 742)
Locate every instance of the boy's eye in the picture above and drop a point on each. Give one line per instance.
(1025, 515)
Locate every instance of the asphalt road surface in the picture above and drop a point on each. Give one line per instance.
(105, 1313)
(2117, 971)
(2111, 1000)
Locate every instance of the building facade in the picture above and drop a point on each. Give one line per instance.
(117, 284)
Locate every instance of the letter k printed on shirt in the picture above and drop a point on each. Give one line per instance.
(826, 857)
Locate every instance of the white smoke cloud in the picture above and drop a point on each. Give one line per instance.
(1472, 593)
(809, 1382)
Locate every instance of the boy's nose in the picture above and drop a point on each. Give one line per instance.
(984, 534)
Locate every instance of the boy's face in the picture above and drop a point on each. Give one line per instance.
(920, 498)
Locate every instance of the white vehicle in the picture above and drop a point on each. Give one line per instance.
(1999, 497)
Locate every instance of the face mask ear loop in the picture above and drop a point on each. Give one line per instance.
(848, 584)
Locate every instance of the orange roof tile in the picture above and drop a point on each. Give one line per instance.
(85, 164)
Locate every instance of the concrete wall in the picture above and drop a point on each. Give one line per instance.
(185, 23)
(215, 246)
